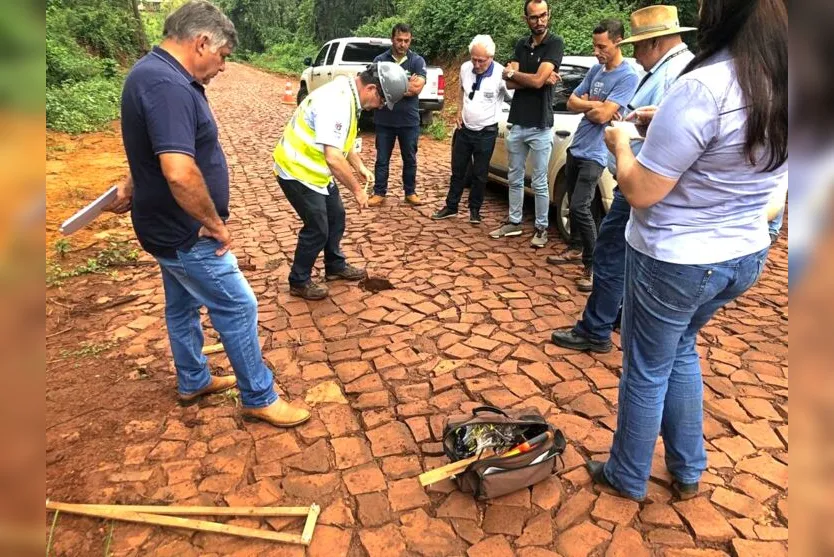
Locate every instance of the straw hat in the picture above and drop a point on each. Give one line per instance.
(654, 21)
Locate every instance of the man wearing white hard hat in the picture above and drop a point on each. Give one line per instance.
(318, 146)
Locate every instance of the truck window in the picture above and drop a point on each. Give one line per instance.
(362, 52)
(332, 56)
(320, 57)
(572, 76)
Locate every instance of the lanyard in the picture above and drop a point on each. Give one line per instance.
(653, 72)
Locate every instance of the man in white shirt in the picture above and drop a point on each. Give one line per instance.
(483, 91)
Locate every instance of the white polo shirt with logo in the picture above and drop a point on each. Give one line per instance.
(484, 109)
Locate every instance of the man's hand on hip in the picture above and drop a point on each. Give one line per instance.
(221, 234)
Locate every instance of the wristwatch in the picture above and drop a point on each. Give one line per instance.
(510, 74)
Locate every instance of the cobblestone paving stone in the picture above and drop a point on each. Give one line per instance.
(468, 322)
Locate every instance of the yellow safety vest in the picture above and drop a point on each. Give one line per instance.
(297, 152)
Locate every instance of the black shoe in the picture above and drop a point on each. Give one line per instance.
(685, 491)
(568, 338)
(348, 273)
(474, 217)
(597, 472)
(444, 213)
(309, 291)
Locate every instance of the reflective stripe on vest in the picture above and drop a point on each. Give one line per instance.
(297, 153)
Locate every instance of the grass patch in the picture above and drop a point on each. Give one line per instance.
(286, 58)
(116, 254)
(83, 106)
(89, 349)
(437, 129)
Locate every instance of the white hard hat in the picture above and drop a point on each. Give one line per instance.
(393, 80)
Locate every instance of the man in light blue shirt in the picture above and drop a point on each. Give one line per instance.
(663, 55)
(601, 97)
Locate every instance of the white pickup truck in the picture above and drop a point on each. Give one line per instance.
(351, 55)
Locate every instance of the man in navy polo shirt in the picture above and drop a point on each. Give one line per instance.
(178, 195)
(401, 123)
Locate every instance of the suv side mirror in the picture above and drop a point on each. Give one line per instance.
(308, 61)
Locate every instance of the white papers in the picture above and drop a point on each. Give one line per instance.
(89, 213)
(633, 133)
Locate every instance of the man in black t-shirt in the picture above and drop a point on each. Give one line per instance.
(532, 72)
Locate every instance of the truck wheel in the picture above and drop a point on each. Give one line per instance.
(562, 206)
(426, 118)
(302, 93)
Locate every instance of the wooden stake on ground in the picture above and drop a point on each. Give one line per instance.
(201, 511)
(213, 348)
(118, 512)
(449, 470)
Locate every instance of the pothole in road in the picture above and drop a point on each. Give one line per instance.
(375, 285)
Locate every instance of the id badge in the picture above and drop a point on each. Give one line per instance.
(357, 145)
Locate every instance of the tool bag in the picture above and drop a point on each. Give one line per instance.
(465, 436)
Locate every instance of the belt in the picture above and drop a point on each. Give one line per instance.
(486, 129)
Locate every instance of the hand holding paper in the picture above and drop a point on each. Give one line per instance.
(629, 128)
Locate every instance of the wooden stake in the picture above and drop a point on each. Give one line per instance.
(213, 348)
(116, 513)
(201, 511)
(310, 525)
(449, 470)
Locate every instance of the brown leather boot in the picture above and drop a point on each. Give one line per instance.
(376, 200)
(279, 414)
(217, 385)
(413, 199)
(309, 291)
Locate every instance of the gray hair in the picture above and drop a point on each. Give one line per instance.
(484, 41)
(201, 18)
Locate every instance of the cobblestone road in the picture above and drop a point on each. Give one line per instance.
(468, 323)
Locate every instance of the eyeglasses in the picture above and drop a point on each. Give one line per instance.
(380, 93)
(536, 18)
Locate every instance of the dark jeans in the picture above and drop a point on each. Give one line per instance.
(324, 225)
(582, 176)
(605, 300)
(474, 146)
(407, 137)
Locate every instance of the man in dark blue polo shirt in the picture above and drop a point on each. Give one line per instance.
(402, 123)
(178, 195)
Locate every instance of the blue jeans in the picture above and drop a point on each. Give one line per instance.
(408, 137)
(196, 278)
(605, 300)
(538, 142)
(661, 391)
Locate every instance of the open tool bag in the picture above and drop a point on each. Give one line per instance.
(517, 448)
